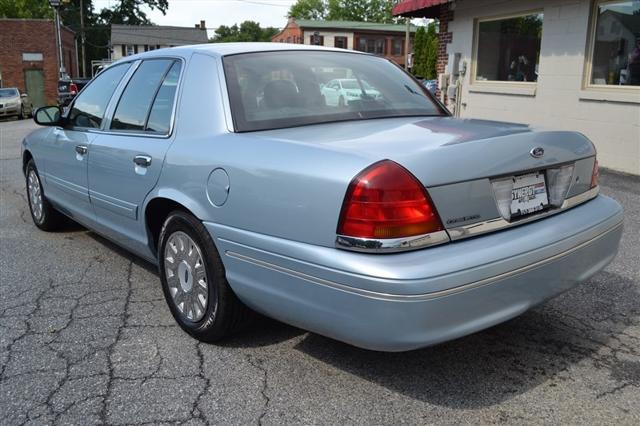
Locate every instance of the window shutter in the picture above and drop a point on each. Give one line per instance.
(135, 48)
(124, 50)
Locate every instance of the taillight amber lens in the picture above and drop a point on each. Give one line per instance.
(386, 201)
(595, 175)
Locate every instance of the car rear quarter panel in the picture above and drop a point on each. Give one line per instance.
(280, 188)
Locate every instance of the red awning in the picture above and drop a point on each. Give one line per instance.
(418, 8)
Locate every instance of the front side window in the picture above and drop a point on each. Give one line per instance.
(615, 49)
(271, 90)
(509, 49)
(89, 107)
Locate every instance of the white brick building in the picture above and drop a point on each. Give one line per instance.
(564, 64)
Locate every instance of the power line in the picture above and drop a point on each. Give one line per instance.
(261, 3)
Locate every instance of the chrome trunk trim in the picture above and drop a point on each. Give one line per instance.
(499, 223)
(391, 245)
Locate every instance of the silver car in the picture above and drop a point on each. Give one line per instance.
(14, 104)
(383, 222)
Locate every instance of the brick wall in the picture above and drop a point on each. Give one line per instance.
(290, 34)
(444, 37)
(20, 36)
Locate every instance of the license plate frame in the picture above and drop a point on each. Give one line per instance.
(529, 194)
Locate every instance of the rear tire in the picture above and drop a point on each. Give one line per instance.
(43, 214)
(21, 115)
(194, 282)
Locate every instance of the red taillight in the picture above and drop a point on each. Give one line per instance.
(595, 174)
(73, 88)
(386, 201)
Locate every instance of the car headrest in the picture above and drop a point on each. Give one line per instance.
(281, 94)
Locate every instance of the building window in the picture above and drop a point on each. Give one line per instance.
(372, 45)
(32, 57)
(397, 47)
(508, 49)
(615, 44)
(340, 42)
(316, 39)
(129, 50)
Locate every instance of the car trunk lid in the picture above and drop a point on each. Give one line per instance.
(466, 165)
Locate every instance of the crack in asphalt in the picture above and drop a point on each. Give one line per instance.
(258, 364)
(196, 413)
(110, 348)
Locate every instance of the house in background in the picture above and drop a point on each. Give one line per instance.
(560, 64)
(29, 59)
(128, 40)
(386, 40)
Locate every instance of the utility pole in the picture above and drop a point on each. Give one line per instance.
(84, 57)
(407, 43)
(56, 7)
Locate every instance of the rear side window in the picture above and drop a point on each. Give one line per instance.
(89, 107)
(162, 109)
(136, 100)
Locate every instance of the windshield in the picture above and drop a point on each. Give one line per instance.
(8, 93)
(272, 90)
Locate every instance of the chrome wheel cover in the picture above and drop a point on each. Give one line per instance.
(186, 276)
(35, 195)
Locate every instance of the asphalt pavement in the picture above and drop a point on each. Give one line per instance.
(86, 337)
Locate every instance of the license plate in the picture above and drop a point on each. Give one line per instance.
(529, 194)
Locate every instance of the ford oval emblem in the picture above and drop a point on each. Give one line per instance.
(537, 152)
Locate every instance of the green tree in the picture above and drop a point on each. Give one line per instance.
(358, 10)
(425, 52)
(247, 31)
(419, 52)
(344, 10)
(129, 12)
(25, 9)
(309, 9)
(431, 61)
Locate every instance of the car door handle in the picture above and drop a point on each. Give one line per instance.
(82, 149)
(142, 160)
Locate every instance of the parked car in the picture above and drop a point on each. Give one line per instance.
(12, 103)
(387, 223)
(431, 85)
(69, 88)
(343, 91)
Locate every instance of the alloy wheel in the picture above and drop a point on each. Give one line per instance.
(35, 195)
(186, 276)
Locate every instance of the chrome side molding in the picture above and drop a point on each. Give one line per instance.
(391, 245)
(499, 223)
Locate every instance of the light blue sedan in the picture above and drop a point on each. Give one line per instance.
(383, 222)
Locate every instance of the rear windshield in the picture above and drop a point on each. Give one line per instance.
(8, 93)
(272, 90)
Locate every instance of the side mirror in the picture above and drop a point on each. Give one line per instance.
(48, 116)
